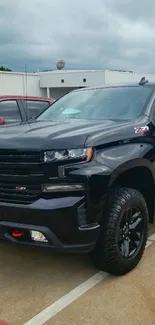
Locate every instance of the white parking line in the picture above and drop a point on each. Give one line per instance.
(152, 238)
(74, 294)
(66, 300)
(149, 242)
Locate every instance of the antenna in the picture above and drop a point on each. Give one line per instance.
(26, 89)
(143, 81)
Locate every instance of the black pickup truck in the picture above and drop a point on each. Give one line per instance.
(81, 177)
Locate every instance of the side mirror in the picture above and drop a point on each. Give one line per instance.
(2, 120)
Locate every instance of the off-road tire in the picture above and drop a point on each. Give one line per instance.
(106, 255)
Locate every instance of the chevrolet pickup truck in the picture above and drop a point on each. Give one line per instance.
(81, 177)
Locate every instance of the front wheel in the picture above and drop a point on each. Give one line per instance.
(123, 232)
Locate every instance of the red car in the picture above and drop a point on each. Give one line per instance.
(17, 109)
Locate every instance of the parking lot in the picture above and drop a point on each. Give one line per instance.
(33, 279)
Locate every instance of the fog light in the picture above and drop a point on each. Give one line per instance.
(38, 236)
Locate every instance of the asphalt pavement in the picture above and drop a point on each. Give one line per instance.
(63, 289)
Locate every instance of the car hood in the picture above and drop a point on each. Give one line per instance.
(63, 134)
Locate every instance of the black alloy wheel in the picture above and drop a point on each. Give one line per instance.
(131, 232)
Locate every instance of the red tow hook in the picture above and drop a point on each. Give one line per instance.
(17, 233)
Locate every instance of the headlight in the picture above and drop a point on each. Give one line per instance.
(69, 154)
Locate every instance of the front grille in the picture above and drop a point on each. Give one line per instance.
(19, 193)
(21, 175)
(14, 156)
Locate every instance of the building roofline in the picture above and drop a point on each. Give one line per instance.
(83, 71)
(19, 73)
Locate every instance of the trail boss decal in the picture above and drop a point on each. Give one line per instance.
(142, 129)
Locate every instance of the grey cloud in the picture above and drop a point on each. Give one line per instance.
(134, 10)
(113, 34)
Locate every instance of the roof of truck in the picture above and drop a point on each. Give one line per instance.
(125, 84)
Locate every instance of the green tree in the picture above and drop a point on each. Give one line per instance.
(2, 68)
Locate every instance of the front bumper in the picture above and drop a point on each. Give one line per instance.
(57, 219)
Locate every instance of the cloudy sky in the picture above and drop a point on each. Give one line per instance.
(87, 34)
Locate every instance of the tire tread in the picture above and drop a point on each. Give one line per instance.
(104, 255)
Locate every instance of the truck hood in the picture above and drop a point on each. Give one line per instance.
(40, 135)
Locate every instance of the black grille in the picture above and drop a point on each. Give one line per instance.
(19, 193)
(12, 156)
(21, 175)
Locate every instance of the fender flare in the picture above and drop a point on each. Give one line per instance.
(129, 165)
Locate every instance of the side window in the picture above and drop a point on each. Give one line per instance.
(35, 107)
(9, 110)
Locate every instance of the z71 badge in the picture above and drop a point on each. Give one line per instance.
(142, 129)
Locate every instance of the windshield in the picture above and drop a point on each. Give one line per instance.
(115, 103)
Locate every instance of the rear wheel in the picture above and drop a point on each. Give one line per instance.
(123, 233)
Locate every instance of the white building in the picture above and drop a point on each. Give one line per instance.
(56, 83)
